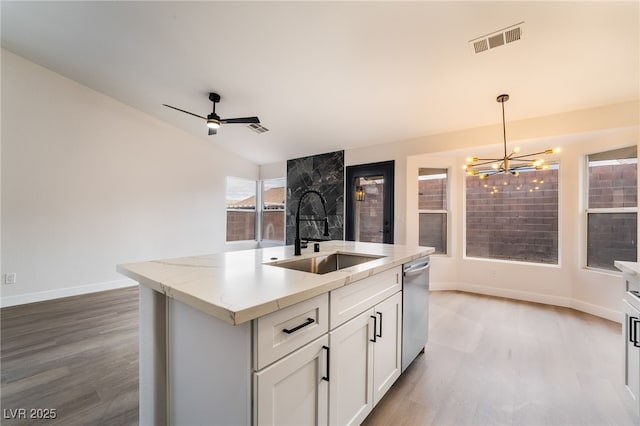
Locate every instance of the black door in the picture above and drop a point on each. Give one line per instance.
(369, 200)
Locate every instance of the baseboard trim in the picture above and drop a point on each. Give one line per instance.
(599, 311)
(546, 299)
(22, 299)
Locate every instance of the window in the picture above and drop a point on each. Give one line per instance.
(273, 212)
(432, 208)
(241, 209)
(612, 207)
(513, 217)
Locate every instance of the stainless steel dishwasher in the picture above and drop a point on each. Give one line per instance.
(415, 309)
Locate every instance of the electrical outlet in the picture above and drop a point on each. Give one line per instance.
(10, 278)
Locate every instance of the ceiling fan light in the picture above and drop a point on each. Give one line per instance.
(213, 124)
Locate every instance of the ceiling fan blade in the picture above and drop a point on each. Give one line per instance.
(212, 131)
(244, 120)
(186, 112)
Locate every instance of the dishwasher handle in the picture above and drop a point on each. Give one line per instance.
(416, 269)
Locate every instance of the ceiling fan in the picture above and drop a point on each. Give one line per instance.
(213, 120)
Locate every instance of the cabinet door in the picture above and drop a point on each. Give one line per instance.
(387, 355)
(350, 385)
(632, 352)
(292, 391)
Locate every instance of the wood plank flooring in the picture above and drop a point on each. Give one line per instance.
(77, 355)
(489, 361)
(493, 361)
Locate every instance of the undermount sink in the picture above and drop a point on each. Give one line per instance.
(324, 264)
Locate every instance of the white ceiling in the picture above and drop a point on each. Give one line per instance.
(324, 76)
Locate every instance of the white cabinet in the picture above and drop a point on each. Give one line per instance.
(631, 335)
(352, 299)
(290, 382)
(325, 360)
(365, 361)
(350, 387)
(294, 390)
(284, 331)
(631, 330)
(387, 356)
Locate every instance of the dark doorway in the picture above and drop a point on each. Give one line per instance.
(369, 202)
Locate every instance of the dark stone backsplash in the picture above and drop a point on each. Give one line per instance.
(325, 174)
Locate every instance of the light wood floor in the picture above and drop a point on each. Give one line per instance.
(492, 361)
(489, 361)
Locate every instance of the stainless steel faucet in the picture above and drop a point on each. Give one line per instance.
(297, 250)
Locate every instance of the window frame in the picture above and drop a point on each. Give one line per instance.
(600, 210)
(258, 211)
(446, 211)
(258, 197)
(261, 210)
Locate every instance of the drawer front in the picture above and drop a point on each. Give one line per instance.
(284, 331)
(353, 299)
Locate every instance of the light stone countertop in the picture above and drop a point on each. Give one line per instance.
(628, 267)
(239, 286)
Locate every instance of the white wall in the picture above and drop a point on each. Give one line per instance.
(89, 182)
(567, 284)
(446, 144)
(580, 132)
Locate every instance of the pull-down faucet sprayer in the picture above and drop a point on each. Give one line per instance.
(297, 249)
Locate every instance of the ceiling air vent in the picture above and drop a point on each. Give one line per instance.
(258, 128)
(498, 38)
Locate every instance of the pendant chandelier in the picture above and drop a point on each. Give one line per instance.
(511, 163)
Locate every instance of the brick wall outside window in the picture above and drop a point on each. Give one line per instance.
(513, 224)
(273, 225)
(432, 227)
(612, 235)
(241, 225)
(432, 194)
(613, 186)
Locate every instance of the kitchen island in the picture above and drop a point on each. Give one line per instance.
(630, 326)
(241, 338)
